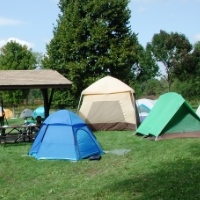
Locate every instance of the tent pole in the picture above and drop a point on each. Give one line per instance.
(136, 111)
(46, 104)
(47, 101)
(79, 103)
(2, 112)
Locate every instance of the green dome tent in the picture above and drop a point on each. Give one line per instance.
(171, 117)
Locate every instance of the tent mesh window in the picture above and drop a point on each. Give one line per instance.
(105, 112)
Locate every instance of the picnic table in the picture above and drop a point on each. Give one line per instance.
(17, 133)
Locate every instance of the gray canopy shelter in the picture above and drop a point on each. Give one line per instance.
(34, 79)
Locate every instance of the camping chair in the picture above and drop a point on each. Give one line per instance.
(28, 133)
(39, 121)
(30, 130)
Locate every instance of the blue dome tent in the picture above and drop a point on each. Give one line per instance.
(64, 135)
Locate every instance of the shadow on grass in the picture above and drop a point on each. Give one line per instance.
(194, 149)
(14, 144)
(177, 180)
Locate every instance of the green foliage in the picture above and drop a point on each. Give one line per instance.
(15, 56)
(93, 39)
(170, 49)
(14, 97)
(150, 170)
(146, 67)
(151, 88)
(187, 72)
(197, 46)
(154, 87)
(62, 100)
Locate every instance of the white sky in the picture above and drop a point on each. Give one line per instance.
(31, 22)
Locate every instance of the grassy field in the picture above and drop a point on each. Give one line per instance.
(157, 170)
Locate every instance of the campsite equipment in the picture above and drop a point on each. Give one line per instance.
(26, 113)
(108, 104)
(64, 135)
(144, 106)
(171, 117)
(38, 112)
(8, 113)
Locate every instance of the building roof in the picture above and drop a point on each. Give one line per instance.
(30, 79)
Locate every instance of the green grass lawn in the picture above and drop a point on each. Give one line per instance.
(14, 121)
(164, 170)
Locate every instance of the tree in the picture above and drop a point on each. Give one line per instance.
(187, 72)
(92, 39)
(14, 56)
(197, 46)
(145, 66)
(38, 56)
(169, 49)
(152, 88)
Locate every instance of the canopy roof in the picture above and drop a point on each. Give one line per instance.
(30, 79)
(34, 79)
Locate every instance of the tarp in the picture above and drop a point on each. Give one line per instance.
(8, 113)
(108, 104)
(64, 135)
(171, 116)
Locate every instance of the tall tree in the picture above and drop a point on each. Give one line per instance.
(169, 49)
(187, 72)
(92, 39)
(145, 66)
(144, 69)
(14, 56)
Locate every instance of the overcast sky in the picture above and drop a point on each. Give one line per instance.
(31, 22)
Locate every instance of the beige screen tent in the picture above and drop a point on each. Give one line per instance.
(108, 104)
